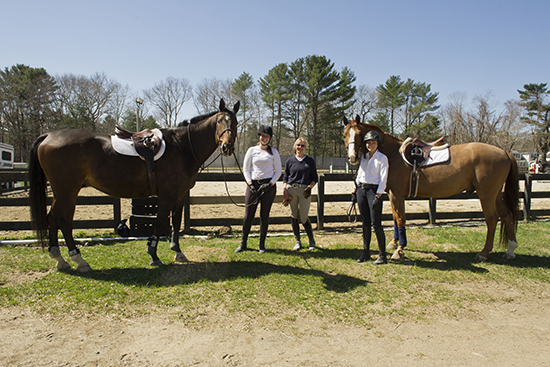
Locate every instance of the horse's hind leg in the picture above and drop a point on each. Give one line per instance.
(176, 225)
(53, 246)
(62, 213)
(491, 219)
(508, 222)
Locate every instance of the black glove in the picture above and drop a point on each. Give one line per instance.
(307, 192)
(377, 203)
(353, 197)
(252, 189)
(263, 187)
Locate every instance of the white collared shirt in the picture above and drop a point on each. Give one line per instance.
(259, 164)
(374, 170)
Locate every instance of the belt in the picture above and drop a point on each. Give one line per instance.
(263, 181)
(366, 186)
(295, 185)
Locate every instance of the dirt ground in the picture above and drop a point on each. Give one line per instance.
(512, 333)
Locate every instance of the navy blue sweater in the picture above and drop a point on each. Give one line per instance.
(303, 172)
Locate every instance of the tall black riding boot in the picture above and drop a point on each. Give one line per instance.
(366, 249)
(296, 231)
(309, 231)
(263, 235)
(246, 231)
(381, 238)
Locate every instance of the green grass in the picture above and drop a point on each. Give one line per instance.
(437, 277)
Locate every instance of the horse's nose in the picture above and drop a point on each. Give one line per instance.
(227, 149)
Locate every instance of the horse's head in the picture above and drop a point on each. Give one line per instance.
(226, 127)
(353, 137)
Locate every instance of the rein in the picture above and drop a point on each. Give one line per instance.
(255, 201)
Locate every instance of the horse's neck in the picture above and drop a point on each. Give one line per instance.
(390, 145)
(202, 136)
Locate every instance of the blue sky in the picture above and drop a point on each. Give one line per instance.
(465, 46)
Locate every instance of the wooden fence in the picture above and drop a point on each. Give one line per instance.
(144, 210)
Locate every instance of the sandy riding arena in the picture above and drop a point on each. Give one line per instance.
(503, 325)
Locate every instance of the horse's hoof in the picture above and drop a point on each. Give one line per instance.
(63, 265)
(508, 256)
(84, 268)
(393, 244)
(398, 255)
(180, 258)
(156, 263)
(480, 258)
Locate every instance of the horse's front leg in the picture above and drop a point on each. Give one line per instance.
(176, 225)
(400, 234)
(161, 224)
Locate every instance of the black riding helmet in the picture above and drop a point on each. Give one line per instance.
(372, 135)
(266, 130)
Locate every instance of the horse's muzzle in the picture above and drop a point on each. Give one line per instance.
(227, 149)
(354, 159)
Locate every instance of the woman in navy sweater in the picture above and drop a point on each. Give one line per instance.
(299, 178)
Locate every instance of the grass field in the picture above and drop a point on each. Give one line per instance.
(438, 277)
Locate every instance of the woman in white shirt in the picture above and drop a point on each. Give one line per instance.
(261, 168)
(372, 176)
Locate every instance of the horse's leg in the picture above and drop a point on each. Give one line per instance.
(398, 213)
(163, 213)
(176, 225)
(53, 245)
(489, 208)
(508, 222)
(395, 240)
(63, 213)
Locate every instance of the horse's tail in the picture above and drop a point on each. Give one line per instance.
(37, 192)
(511, 197)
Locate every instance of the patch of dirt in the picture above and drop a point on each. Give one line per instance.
(515, 332)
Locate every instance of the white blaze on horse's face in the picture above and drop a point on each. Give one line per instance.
(352, 149)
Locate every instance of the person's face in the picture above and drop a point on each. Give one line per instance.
(300, 147)
(264, 139)
(372, 145)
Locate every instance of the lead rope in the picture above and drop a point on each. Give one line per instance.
(352, 210)
(256, 199)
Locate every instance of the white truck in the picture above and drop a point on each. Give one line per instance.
(6, 156)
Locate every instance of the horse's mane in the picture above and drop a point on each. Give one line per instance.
(196, 119)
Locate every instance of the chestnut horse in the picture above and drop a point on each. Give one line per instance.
(72, 159)
(478, 167)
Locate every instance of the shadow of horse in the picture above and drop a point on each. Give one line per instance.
(460, 260)
(193, 272)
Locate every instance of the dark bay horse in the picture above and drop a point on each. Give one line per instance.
(72, 159)
(484, 168)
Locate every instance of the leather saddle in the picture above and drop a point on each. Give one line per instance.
(415, 152)
(147, 145)
(418, 151)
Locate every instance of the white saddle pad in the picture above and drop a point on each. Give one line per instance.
(436, 157)
(126, 146)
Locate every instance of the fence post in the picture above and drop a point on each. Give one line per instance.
(527, 197)
(116, 212)
(321, 202)
(432, 212)
(187, 212)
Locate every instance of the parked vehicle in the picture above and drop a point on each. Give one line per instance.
(6, 156)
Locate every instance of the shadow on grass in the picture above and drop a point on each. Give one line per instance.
(454, 260)
(193, 272)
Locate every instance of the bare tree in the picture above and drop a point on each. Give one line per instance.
(168, 98)
(365, 102)
(86, 101)
(208, 94)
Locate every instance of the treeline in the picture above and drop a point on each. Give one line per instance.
(306, 97)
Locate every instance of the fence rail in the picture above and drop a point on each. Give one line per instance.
(144, 218)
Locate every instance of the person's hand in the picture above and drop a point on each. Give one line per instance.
(354, 197)
(264, 187)
(286, 200)
(253, 190)
(286, 194)
(307, 191)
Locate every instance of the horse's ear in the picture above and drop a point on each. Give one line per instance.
(222, 104)
(358, 118)
(236, 107)
(345, 120)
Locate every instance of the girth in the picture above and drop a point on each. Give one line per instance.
(147, 145)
